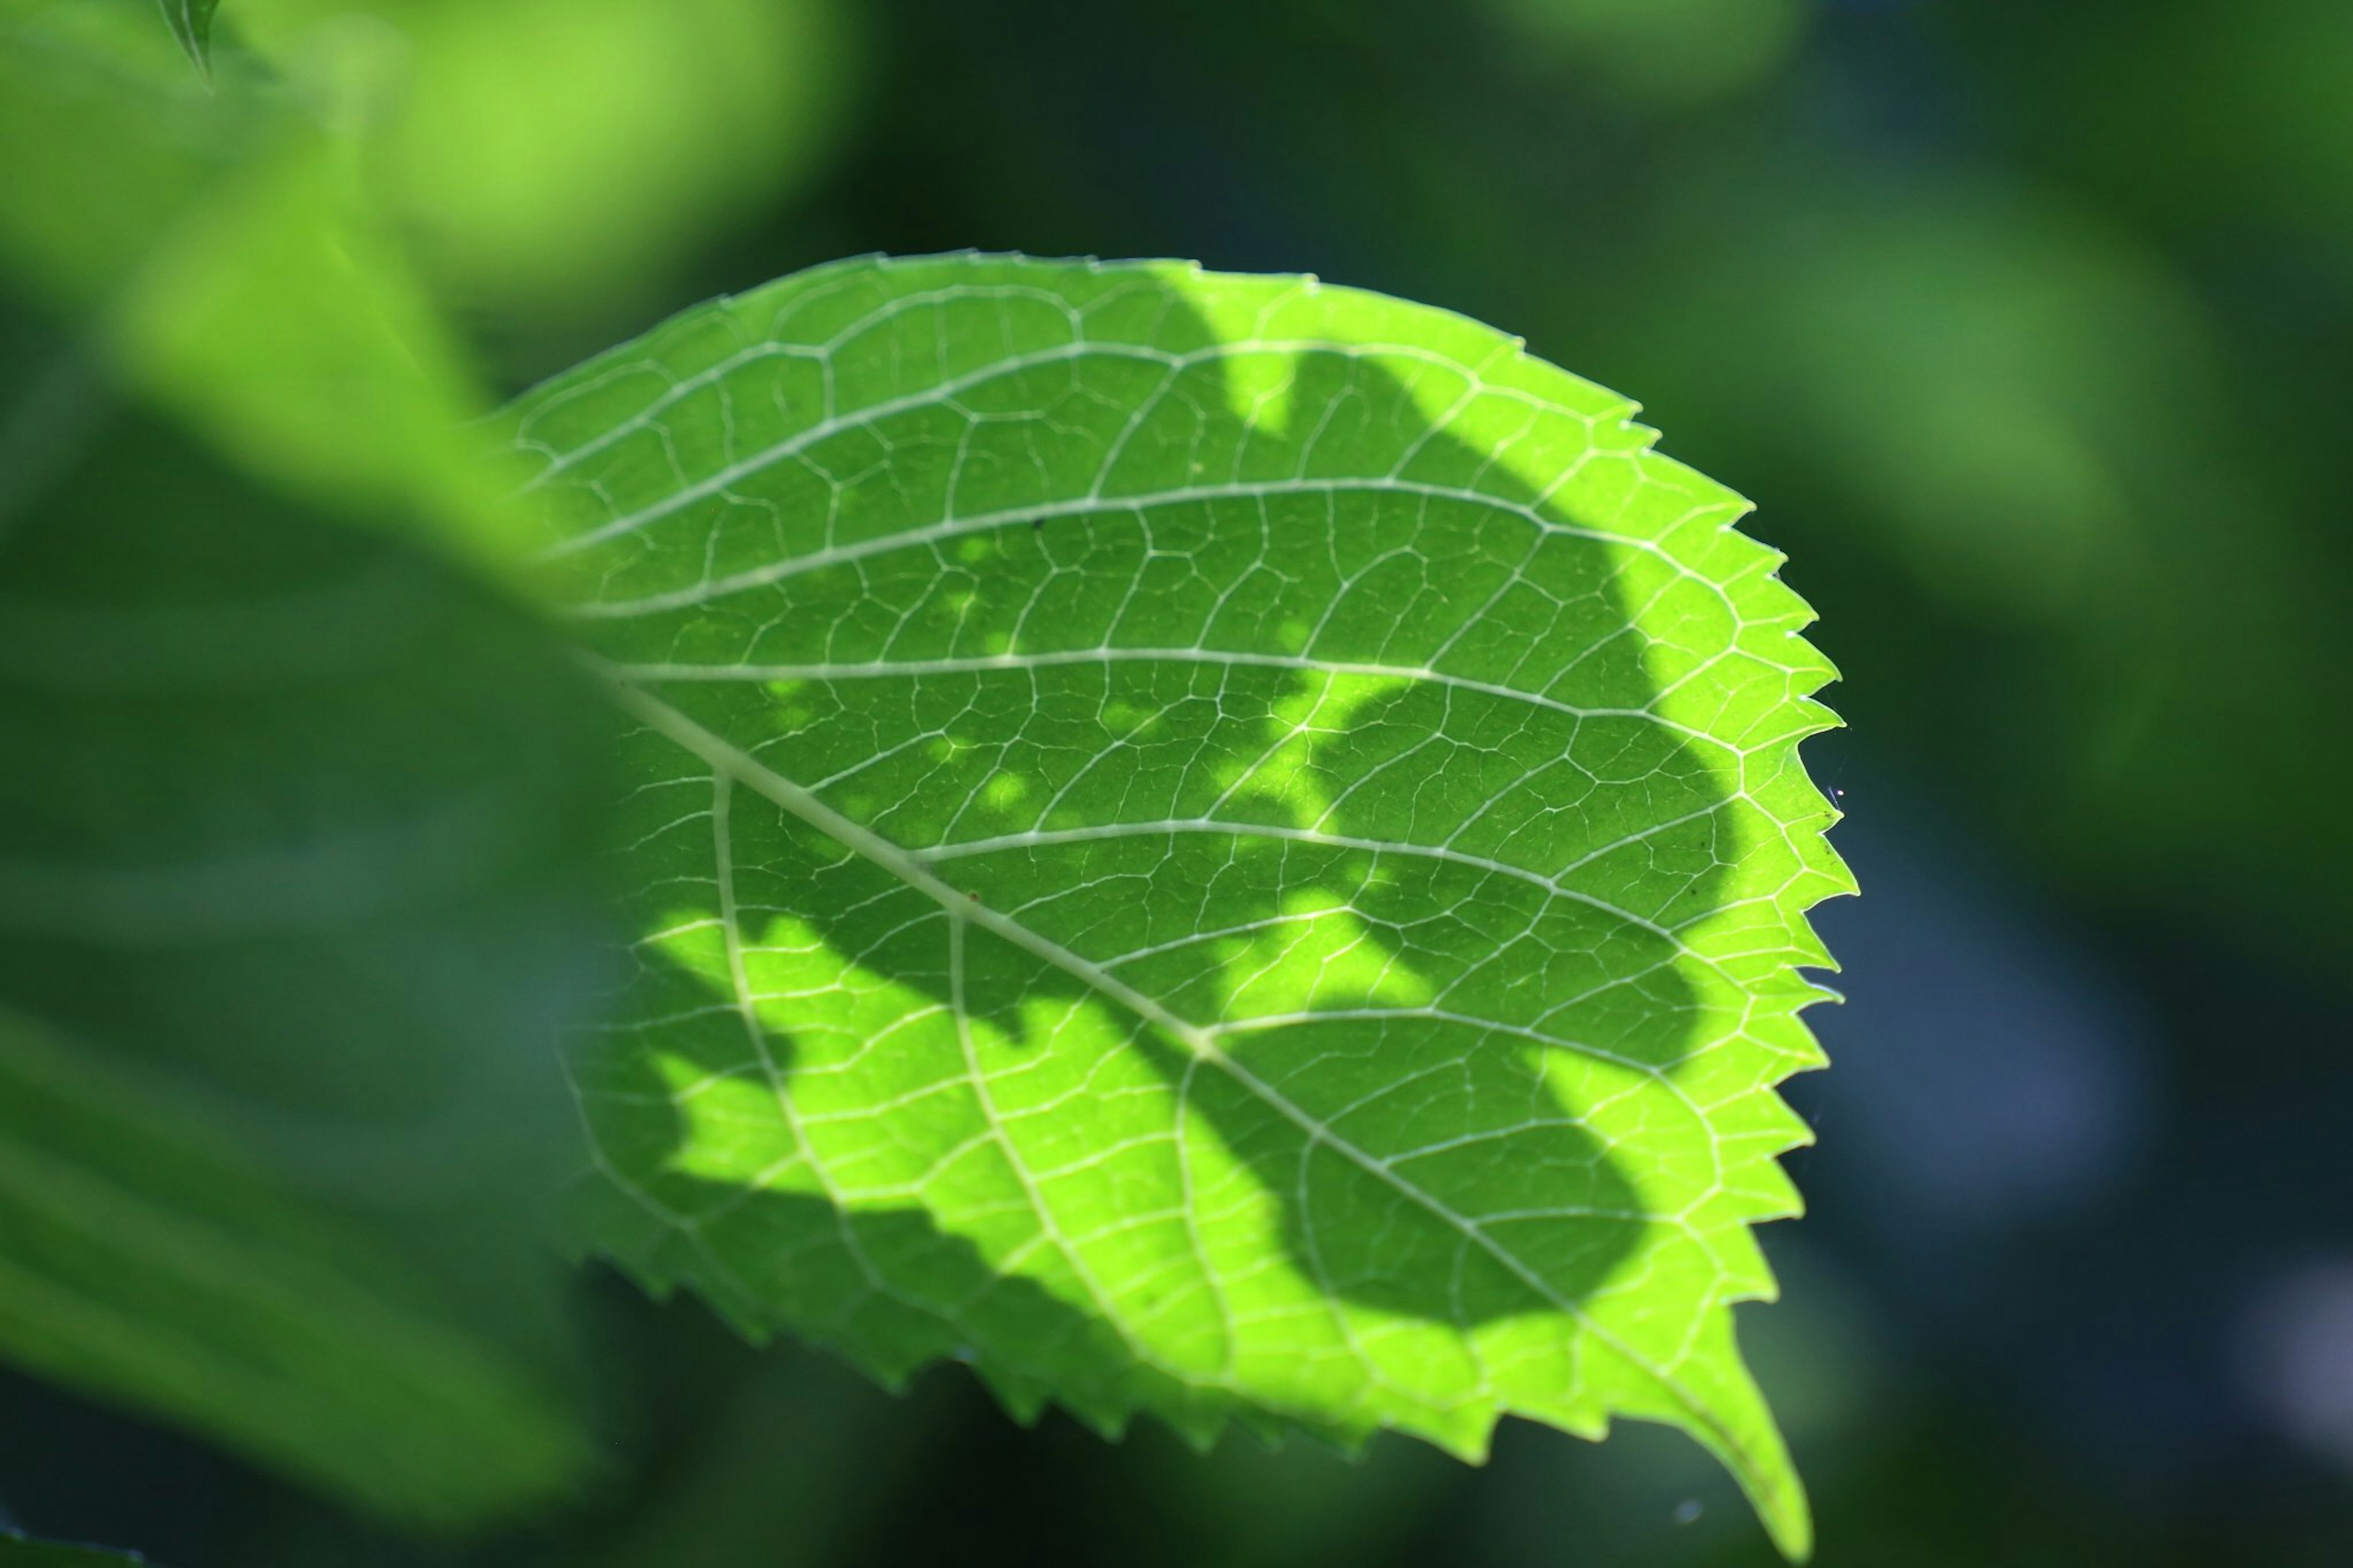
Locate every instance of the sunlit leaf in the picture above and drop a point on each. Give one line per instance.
(1210, 845)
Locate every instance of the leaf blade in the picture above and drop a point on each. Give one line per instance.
(1003, 607)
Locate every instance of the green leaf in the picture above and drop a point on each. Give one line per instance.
(293, 880)
(147, 1259)
(1210, 845)
(221, 253)
(192, 24)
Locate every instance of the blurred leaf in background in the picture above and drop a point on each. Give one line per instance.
(21, 1552)
(297, 884)
(1664, 54)
(297, 818)
(146, 1257)
(1964, 364)
(212, 245)
(562, 197)
(281, 256)
(297, 887)
(2253, 145)
(550, 163)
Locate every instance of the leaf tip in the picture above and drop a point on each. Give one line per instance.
(191, 22)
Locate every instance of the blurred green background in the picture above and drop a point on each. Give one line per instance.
(2030, 328)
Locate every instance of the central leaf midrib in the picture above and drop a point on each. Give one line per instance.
(716, 751)
(630, 676)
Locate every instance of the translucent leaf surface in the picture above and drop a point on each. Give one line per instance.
(1210, 845)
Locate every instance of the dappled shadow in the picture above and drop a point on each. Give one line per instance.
(1399, 875)
(881, 1283)
(298, 896)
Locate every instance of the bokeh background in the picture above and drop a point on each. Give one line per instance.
(2029, 327)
